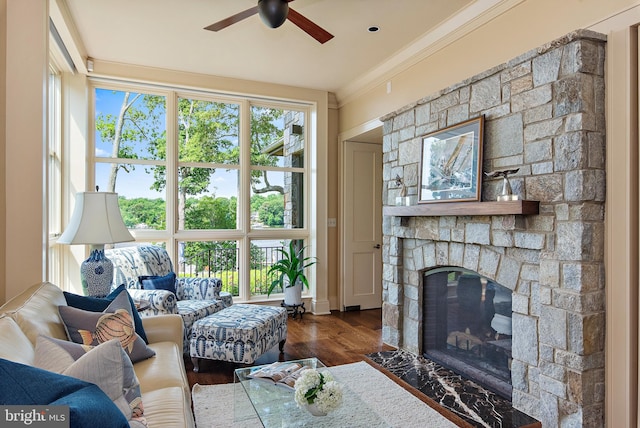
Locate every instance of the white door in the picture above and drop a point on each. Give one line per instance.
(362, 234)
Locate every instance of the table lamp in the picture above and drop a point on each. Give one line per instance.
(96, 221)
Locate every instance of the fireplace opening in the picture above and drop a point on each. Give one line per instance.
(467, 326)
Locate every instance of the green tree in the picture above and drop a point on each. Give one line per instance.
(210, 212)
(271, 211)
(207, 132)
(143, 213)
(256, 202)
(264, 133)
(135, 125)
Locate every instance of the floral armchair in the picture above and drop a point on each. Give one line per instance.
(194, 298)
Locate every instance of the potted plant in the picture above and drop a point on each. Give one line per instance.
(289, 271)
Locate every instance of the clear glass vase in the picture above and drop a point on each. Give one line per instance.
(314, 410)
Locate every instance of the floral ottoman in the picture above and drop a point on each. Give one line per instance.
(239, 333)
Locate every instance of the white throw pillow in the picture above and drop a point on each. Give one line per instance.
(106, 365)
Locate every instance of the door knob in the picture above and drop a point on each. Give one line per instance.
(377, 246)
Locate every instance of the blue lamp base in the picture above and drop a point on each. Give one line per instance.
(96, 274)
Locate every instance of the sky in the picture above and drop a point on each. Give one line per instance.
(137, 182)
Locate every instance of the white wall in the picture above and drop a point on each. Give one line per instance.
(25, 137)
(3, 157)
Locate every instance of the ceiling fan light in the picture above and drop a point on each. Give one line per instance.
(273, 12)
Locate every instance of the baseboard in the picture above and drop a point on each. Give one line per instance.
(320, 307)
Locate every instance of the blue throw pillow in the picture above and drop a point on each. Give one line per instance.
(29, 386)
(99, 304)
(167, 282)
(115, 322)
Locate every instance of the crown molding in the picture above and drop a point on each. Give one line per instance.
(469, 19)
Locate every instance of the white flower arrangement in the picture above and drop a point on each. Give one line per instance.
(321, 389)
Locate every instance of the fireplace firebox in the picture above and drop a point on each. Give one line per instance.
(467, 326)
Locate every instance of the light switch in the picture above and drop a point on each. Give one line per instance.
(331, 222)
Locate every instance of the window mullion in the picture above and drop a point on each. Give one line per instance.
(172, 173)
(244, 204)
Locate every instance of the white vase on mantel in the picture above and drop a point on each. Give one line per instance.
(293, 295)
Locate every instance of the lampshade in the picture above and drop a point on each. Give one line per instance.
(96, 220)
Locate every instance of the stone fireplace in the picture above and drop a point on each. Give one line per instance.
(544, 114)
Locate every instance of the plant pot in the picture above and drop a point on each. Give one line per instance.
(314, 410)
(293, 295)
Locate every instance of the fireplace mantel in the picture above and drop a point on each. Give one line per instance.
(520, 207)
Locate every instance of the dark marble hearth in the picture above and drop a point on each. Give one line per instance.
(462, 397)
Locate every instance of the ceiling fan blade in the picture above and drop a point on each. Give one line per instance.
(232, 19)
(309, 27)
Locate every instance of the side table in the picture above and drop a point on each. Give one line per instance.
(294, 310)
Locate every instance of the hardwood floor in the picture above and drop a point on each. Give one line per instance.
(339, 338)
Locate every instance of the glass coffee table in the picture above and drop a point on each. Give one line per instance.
(274, 406)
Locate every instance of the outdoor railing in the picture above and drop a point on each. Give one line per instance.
(223, 263)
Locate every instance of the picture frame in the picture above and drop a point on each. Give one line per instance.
(451, 163)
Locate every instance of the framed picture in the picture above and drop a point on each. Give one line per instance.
(451, 163)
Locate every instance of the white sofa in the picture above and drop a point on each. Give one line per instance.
(163, 381)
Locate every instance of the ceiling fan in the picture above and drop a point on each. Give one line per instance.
(273, 14)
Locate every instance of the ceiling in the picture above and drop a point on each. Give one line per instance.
(170, 34)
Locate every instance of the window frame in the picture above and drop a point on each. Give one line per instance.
(243, 234)
(54, 173)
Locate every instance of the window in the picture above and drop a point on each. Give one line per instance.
(57, 160)
(130, 150)
(277, 167)
(220, 181)
(54, 175)
(208, 164)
